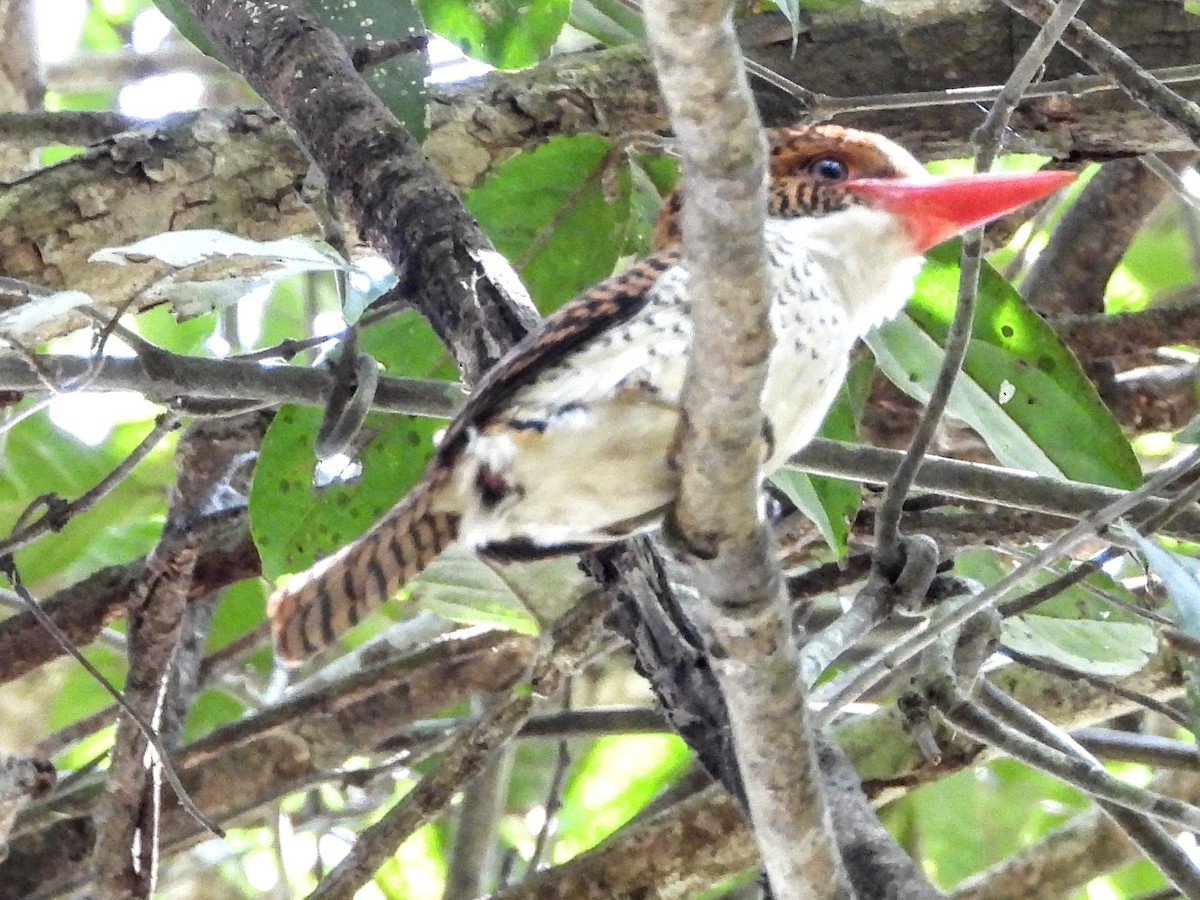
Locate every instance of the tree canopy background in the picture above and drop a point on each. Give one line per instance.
(167, 242)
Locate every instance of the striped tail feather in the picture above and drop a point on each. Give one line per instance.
(340, 591)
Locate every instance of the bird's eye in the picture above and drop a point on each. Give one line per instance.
(828, 168)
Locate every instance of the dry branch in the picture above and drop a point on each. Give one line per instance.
(374, 167)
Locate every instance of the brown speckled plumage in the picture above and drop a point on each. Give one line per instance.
(566, 443)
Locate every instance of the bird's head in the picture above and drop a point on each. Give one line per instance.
(819, 170)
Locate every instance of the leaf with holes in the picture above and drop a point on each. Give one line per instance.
(295, 523)
(1020, 388)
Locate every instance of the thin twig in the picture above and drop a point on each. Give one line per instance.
(558, 775)
(57, 517)
(1109, 60)
(171, 375)
(473, 859)
(853, 683)
(1150, 836)
(1084, 774)
(1072, 85)
(1147, 749)
(10, 571)
(567, 644)
(1100, 683)
(987, 142)
(978, 482)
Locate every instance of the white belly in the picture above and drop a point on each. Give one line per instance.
(582, 455)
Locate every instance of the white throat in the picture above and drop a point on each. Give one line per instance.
(865, 252)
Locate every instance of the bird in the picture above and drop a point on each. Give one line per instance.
(567, 443)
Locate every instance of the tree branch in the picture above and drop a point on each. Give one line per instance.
(744, 610)
(561, 654)
(379, 173)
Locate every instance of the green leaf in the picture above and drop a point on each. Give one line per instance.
(615, 779)
(399, 82)
(1138, 879)
(546, 211)
(190, 338)
(1085, 600)
(645, 200)
(1157, 264)
(90, 748)
(417, 870)
(464, 588)
(1180, 575)
(239, 610)
(977, 817)
(1020, 387)
(295, 523)
(81, 695)
(831, 503)
(210, 711)
(38, 458)
(1099, 648)
(608, 21)
(508, 34)
(1189, 433)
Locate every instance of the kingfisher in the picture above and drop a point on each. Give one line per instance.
(568, 443)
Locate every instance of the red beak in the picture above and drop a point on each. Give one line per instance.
(937, 208)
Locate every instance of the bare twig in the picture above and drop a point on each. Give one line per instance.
(1149, 835)
(1147, 749)
(127, 843)
(473, 860)
(1109, 60)
(1084, 848)
(1100, 683)
(558, 775)
(165, 376)
(567, 645)
(58, 515)
(378, 52)
(852, 683)
(1084, 774)
(987, 142)
(10, 571)
(1073, 85)
(978, 482)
